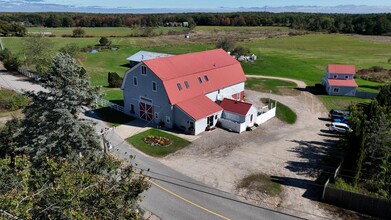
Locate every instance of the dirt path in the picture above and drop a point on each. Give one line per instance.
(289, 153)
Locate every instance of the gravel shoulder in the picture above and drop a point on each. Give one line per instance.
(289, 153)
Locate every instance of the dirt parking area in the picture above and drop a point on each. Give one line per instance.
(289, 153)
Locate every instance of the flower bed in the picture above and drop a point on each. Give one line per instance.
(157, 140)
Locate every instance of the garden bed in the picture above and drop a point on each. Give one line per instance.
(157, 143)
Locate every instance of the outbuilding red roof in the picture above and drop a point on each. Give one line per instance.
(199, 107)
(196, 73)
(234, 106)
(341, 82)
(341, 69)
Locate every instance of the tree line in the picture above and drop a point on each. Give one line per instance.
(367, 162)
(370, 24)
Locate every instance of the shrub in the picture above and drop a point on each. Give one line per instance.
(4, 54)
(11, 101)
(78, 32)
(114, 80)
(104, 41)
(12, 63)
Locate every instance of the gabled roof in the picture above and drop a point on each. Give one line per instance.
(341, 69)
(342, 82)
(237, 107)
(199, 107)
(215, 68)
(146, 55)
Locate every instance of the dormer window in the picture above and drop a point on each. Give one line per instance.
(199, 79)
(187, 84)
(206, 78)
(143, 70)
(179, 86)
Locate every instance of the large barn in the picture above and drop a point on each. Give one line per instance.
(184, 91)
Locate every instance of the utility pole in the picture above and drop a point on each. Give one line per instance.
(106, 143)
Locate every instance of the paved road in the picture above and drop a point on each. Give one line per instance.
(172, 195)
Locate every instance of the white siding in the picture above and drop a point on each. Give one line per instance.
(253, 111)
(226, 92)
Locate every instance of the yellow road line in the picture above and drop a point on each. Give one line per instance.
(188, 201)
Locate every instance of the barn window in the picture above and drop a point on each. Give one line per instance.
(206, 78)
(135, 82)
(334, 76)
(336, 90)
(143, 70)
(187, 84)
(156, 115)
(199, 79)
(346, 76)
(131, 108)
(154, 86)
(179, 86)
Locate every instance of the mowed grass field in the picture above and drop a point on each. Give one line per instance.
(303, 57)
(104, 31)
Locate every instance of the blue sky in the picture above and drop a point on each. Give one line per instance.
(164, 6)
(208, 3)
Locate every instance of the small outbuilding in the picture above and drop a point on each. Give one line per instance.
(145, 55)
(339, 80)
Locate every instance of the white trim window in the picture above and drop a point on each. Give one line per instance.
(335, 90)
(346, 77)
(135, 81)
(334, 76)
(143, 70)
(154, 86)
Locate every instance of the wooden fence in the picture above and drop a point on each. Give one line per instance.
(357, 202)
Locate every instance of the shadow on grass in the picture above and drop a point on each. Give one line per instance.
(127, 65)
(370, 87)
(118, 102)
(318, 89)
(109, 115)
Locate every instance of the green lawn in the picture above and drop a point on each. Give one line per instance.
(368, 86)
(236, 28)
(104, 31)
(298, 57)
(276, 86)
(283, 112)
(157, 151)
(306, 57)
(340, 102)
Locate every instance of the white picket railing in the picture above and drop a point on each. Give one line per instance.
(103, 102)
(29, 74)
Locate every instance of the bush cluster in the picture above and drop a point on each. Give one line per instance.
(11, 101)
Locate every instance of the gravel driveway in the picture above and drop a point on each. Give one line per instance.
(289, 153)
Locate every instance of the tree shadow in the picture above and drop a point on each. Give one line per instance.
(317, 159)
(312, 188)
(127, 65)
(109, 115)
(317, 89)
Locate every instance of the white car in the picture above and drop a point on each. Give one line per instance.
(340, 127)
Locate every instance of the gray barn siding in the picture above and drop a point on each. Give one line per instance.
(343, 91)
(132, 94)
(181, 119)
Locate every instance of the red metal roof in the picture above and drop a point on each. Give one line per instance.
(341, 69)
(234, 106)
(342, 82)
(199, 107)
(220, 68)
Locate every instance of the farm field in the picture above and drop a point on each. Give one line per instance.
(302, 57)
(104, 31)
